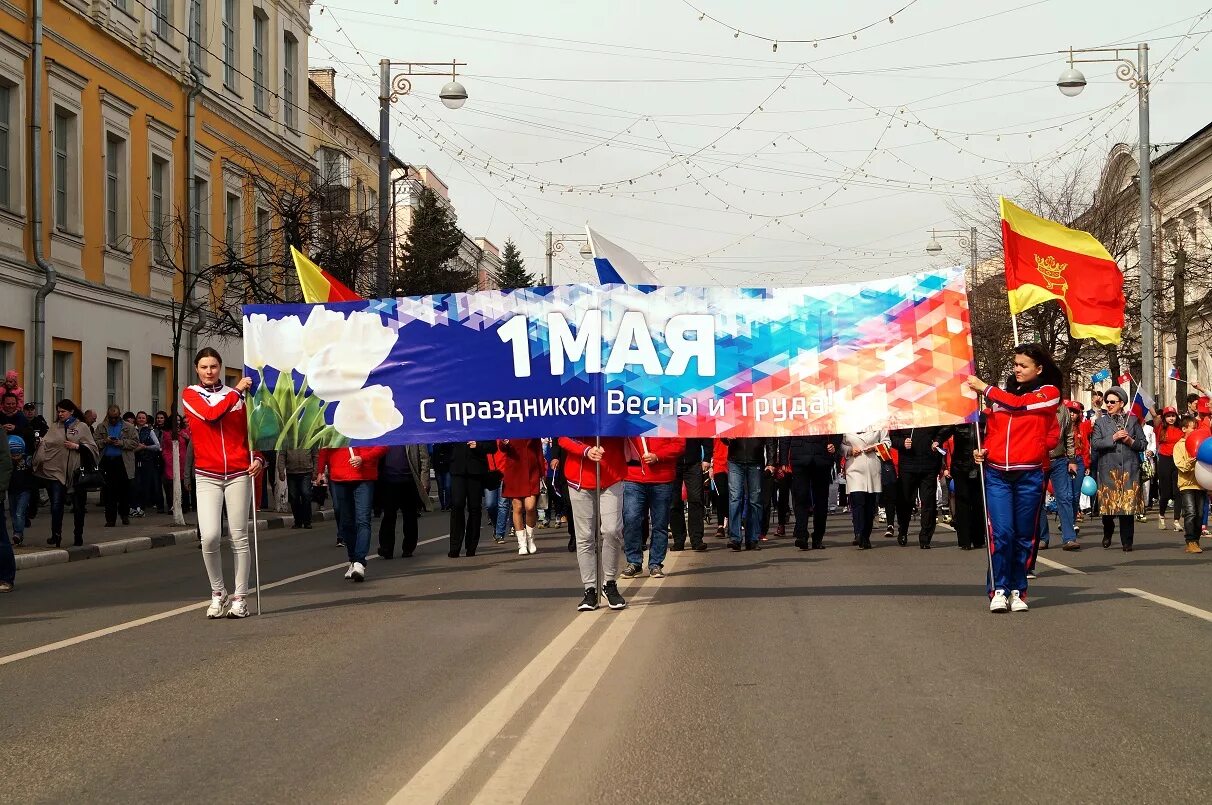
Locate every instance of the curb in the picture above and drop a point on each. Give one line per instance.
(59, 556)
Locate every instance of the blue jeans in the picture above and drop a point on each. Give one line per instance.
(444, 489)
(744, 502)
(353, 516)
(1014, 502)
(8, 560)
(1062, 489)
(498, 509)
(653, 500)
(1077, 484)
(18, 504)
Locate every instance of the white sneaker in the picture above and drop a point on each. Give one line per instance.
(218, 603)
(999, 602)
(349, 571)
(1031, 575)
(530, 546)
(358, 571)
(238, 609)
(1017, 602)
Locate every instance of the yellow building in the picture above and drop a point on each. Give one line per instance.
(108, 109)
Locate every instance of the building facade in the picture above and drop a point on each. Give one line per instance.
(149, 121)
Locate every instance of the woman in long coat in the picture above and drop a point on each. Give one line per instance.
(1117, 442)
(863, 475)
(68, 445)
(523, 470)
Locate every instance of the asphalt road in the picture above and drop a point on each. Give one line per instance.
(770, 676)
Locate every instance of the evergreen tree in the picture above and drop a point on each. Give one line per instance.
(513, 272)
(428, 265)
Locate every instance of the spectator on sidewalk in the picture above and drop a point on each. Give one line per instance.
(117, 441)
(149, 491)
(11, 419)
(13, 386)
(298, 469)
(22, 485)
(403, 487)
(36, 420)
(352, 473)
(8, 561)
(67, 447)
(178, 434)
(90, 418)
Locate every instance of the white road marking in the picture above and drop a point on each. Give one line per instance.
(435, 779)
(1187, 609)
(519, 771)
(1058, 566)
(122, 627)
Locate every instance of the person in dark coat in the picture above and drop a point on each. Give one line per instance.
(468, 468)
(440, 459)
(963, 471)
(919, 466)
(403, 487)
(747, 459)
(692, 467)
(812, 460)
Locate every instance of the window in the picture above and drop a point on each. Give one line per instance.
(115, 381)
(260, 25)
(61, 371)
(7, 357)
(199, 221)
(123, 5)
(115, 191)
(196, 31)
(6, 116)
(290, 67)
(159, 209)
(164, 19)
(65, 165)
(262, 235)
(233, 224)
(231, 45)
(159, 383)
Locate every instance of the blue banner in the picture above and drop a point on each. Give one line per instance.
(611, 360)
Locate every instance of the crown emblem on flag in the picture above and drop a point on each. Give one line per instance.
(1052, 271)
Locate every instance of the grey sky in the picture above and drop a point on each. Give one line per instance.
(726, 162)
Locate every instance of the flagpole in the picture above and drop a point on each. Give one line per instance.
(1014, 327)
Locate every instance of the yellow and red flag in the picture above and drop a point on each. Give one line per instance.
(317, 284)
(1045, 260)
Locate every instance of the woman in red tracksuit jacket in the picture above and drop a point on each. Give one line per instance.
(224, 468)
(522, 469)
(589, 467)
(1021, 430)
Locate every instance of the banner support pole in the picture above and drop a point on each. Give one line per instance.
(597, 517)
(1014, 327)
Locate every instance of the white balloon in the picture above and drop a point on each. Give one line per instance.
(1203, 475)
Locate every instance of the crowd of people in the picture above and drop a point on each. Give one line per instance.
(634, 499)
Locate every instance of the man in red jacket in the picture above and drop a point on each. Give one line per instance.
(353, 472)
(648, 490)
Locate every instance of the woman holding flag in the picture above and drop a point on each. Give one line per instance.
(1022, 428)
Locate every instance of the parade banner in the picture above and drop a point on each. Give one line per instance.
(611, 360)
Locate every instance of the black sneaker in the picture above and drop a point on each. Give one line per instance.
(631, 571)
(340, 542)
(590, 601)
(613, 598)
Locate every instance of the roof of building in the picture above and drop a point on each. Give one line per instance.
(397, 163)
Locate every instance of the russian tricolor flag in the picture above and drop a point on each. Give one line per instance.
(617, 265)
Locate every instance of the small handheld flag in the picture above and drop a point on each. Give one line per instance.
(1174, 374)
(1142, 404)
(1126, 377)
(1101, 376)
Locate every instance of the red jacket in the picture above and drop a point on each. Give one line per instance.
(1022, 428)
(336, 460)
(719, 457)
(578, 469)
(665, 470)
(219, 425)
(522, 466)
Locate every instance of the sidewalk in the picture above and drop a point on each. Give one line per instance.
(144, 533)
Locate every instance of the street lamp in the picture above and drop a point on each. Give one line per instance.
(555, 245)
(965, 237)
(453, 95)
(1136, 74)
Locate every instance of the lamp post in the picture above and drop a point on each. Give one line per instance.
(391, 87)
(965, 238)
(555, 244)
(1136, 74)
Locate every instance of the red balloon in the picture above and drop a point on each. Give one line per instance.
(1194, 439)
